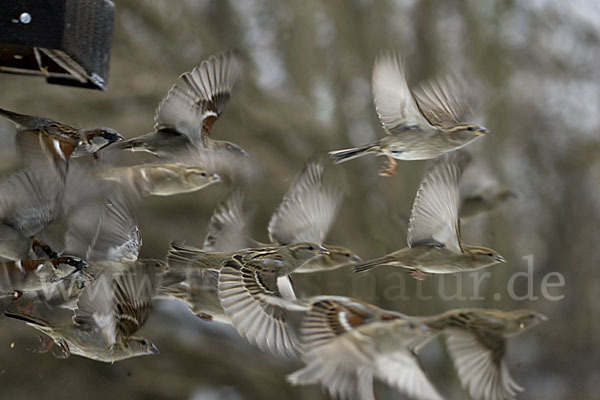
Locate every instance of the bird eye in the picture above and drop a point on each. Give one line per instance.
(490, 254)
(470, 129)
(347, 255)
(203, 174)
(311, 248)
(143, 342)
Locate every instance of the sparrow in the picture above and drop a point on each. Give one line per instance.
(242, 276)
(420, 124)
(25, 276)
(185, 117)
(346, 343)
(34, 198)
(434, 242)
(109, 313)
(59, 142)
(307, 213)
(162, 179)
(480, 191)
(476, 340)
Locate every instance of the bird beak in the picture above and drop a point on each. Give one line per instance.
(215, 178)
(501, 259)
(356, 259)
(154, 350)
(482, 131)
(542, 317)
(322, 250)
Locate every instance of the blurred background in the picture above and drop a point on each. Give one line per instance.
(306, 89)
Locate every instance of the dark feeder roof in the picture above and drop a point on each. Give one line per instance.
(66, 41)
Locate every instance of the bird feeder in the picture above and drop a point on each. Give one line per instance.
(66, 41)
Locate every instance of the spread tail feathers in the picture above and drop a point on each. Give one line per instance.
(340, 156)
(183, 256)
(369, 265)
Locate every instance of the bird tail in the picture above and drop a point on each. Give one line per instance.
(20, 119)
(135, 144)
(340, 156)
(369, 265)
(29, 319)
(181, 255)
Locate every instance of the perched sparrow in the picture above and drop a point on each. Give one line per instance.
(434, 243)
(109, 312)
(22, 276)
(185, 117)
(307, 213)
(420, 124)
(162, 179)
(58, 141)
(480, 191)
(476, 340)
(346, 343)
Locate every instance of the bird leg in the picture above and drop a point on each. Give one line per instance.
(44, 346)
(419, 275)
(204, 316)
(389, 169)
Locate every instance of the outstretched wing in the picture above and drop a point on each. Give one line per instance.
(227, 226)
(308, 209)
(393, 99)
(194, 103)
(434, 217)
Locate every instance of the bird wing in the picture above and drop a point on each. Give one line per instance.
(393, 99)
(401, 369)
(228, 225)
(434, 217)
(242, 287)
(104, 231)
(308, 209)
(479, 361)
(337, 355)
(134, 291)
(31, 199)
(444, 102)
(194, 103)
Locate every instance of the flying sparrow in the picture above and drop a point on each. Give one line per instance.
(307, 213)
(185, 117)
(346, 343)
(109, 312)
(420, 124)
(56, 140)
(476, 341)
(480, 191)
(434, 242)
(162, 179)
(26, 276)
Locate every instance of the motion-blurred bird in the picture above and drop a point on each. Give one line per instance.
(185, 117)
(434, 242)
(56, 140)
(480, 191)
(162, 179)
(307, 213)
(23, 276)
(346, 343)
(420, 124)
(476, 341)
(109, 312)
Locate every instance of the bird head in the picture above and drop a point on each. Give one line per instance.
(139, 346)
(342, 256)
(521, 320)
(97, 139)
(473, 129)
(306, 250)
(201, 177)
(485, 256)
